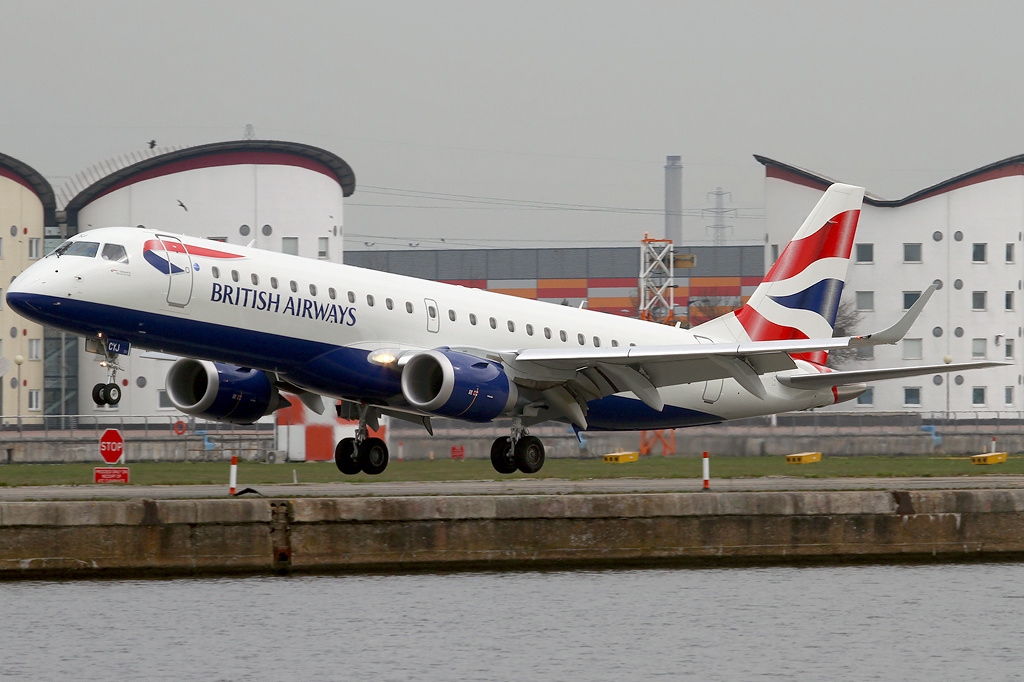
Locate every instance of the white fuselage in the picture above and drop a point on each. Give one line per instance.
(289, 315)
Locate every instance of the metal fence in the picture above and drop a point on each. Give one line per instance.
(154, 425)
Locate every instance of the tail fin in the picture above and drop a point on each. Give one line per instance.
(799, 297)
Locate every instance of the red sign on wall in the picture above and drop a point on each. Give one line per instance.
(110, 475)
(458, 452)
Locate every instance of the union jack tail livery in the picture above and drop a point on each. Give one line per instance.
(799, 297)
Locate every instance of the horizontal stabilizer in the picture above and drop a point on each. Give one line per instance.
(829, 379)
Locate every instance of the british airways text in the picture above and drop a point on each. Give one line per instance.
(293, 305)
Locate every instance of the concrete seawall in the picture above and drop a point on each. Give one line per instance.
(201, 537)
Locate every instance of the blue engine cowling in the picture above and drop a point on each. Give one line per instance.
(459, 385)
(221, 392)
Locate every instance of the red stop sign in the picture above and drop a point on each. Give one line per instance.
(111, 446)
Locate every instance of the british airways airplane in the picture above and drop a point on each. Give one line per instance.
(248, 324)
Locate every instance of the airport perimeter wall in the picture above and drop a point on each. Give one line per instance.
(195, 537)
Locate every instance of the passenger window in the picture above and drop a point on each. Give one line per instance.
(562, 335)
(273, 282)
(432, 311)
(351, 297)
(114, 252)
(389, 303)
(369, 300)
(451, 315)
(581, 339)
(547, 332)
(597, 342)
(529, 330)
(312, 290)
(234, 275)
(511, 326)
(255, 278)
(615, 343)
(331, 293)
(408, 307)
(294, 286)
(215, 271)
(472, 319)
(494, 323)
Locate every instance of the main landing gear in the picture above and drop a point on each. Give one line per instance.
(108, 393)
(362, 454)
(517, 452)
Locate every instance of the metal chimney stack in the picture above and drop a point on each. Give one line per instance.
(674, 199)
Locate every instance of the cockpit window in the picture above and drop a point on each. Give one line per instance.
(114, 252)
(82, 248)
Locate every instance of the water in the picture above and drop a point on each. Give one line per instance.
(942, 622)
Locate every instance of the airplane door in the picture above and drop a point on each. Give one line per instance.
(713, 388)
(179, 271)
(433, 315)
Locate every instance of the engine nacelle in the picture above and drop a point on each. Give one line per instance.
(221, 392)
(458, 385)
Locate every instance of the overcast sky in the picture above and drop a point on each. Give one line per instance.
(570, 103)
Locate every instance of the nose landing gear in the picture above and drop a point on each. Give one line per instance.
(108, 393)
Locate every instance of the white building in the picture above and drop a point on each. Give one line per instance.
(964, 233)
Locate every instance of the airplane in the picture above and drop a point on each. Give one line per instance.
(247, 324)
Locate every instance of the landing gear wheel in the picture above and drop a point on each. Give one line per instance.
(529, 454)
(345, 456)
(373, 456)
(502, 457)
(113, 392)
(99, 394)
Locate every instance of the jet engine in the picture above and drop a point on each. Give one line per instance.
(458, 385)
(221, 392)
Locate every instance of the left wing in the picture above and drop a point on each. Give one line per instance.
(569, 378)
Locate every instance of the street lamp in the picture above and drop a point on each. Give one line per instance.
(18, 360)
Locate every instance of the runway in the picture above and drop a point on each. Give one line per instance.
(517, 486)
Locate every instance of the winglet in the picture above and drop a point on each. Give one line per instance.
(896, 332)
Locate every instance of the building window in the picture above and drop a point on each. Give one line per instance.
(35, 349)
(775, 252)
(1009, 253)
(290, 245)
(321, 247)
(35, 247)
(1008, 300)
(978, 253)
(912, 396)
(33, 400)
(865, 352)
(911, 253)
(911, 349)
(163, 400)
(865, 253)
(978, 348)
(1008, 348)
(1008, 395)
(978, 300)
(2, 247)
(865, 300)
(978, 396)
(910, 298)
(867, 397)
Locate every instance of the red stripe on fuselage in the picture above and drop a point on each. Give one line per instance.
(833, 240)
(178, 247)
